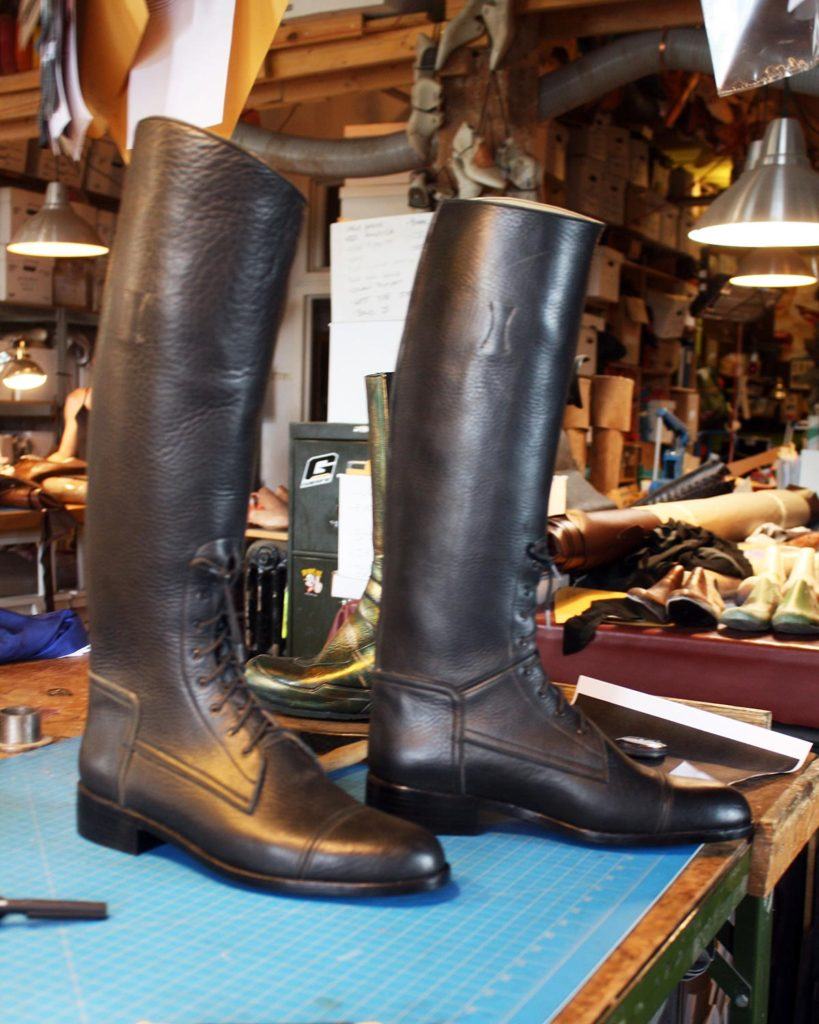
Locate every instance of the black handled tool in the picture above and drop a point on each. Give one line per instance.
(63, 910)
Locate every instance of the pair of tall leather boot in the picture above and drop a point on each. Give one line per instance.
(176, 748)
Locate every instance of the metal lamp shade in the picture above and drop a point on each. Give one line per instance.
(774, 204)
(773, 268)
(56, 230)
(22, 373)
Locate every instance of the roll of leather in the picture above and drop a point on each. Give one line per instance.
(584, 540)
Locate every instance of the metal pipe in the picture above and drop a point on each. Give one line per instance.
(329, 158)
(632, 57)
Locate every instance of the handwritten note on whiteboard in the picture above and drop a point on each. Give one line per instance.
(373, 265)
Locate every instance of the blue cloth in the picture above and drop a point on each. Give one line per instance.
(32, 637)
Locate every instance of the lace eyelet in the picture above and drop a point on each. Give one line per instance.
(202, 680)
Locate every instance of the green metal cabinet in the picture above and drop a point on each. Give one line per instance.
(318, 453)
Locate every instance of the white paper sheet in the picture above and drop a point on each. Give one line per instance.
(355, 533)
(355, 351)
(182, 65)
(373, 263)
(695, 718)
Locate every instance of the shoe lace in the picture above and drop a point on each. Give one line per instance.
(540, 554)
(226, 647)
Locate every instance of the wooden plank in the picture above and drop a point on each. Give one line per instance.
(600, 17)
(300, 31)
(271, 94)
(344, 54)
(625, 16)
(12, 520)
(786, 811)
(21, 81)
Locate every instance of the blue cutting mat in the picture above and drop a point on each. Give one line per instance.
(526, 920)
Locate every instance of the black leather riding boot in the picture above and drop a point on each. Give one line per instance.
(463, 720)
(175, 748)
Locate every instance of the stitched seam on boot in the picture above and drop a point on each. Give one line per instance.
(457, 747)
(242, 802)
(520, 753)
(128, 699)
(341, 815)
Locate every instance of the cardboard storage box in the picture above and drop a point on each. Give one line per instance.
(72, 280)
(644, 212)
(680, 183)
(87, 212)
(591, 140)
(613, 199)
(660, 178)
(42, 163)
(669, 225)
(106, 226)
(98, 275)
(72, 172)
(16, 206)
(14, 157)
(685, 244)
(639, 163)
(584, 185)
(587, 342)
(604, 275)
(627, 325)
(618, 148)
(554, 153)
(555, 192)
(669, 313)
(25, 280)
(105, 169)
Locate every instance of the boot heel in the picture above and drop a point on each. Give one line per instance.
(440, 813)
(103, 823)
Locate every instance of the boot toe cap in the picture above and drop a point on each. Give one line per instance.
(708, 812)
(368, 847)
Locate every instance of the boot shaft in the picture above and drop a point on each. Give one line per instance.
(378, 411)
(191, 307)
(479, 395)
(192, 303)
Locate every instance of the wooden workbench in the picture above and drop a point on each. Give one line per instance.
(644, 968)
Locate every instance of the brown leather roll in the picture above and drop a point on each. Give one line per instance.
(583, 540)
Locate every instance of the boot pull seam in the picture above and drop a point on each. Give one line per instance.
(130, 701)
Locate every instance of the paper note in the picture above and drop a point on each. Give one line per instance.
(355, 351)
(181, 68)
(355, 530)
(373, 265)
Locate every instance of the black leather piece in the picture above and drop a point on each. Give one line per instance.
(462, 717)
(175, 746)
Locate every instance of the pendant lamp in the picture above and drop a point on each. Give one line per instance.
(773, 268)
(21, 372)
(56, 230)
(773, 204)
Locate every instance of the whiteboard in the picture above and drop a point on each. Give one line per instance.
(372, 266)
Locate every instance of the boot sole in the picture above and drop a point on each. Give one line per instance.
(103, 822)
(452, 814)
(324, 715)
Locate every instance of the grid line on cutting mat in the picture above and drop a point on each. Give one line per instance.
(527, 918)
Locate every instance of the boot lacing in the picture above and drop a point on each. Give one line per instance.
(226, 648)
(541, 556)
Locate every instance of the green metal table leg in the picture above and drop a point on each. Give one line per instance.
(752, 956)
